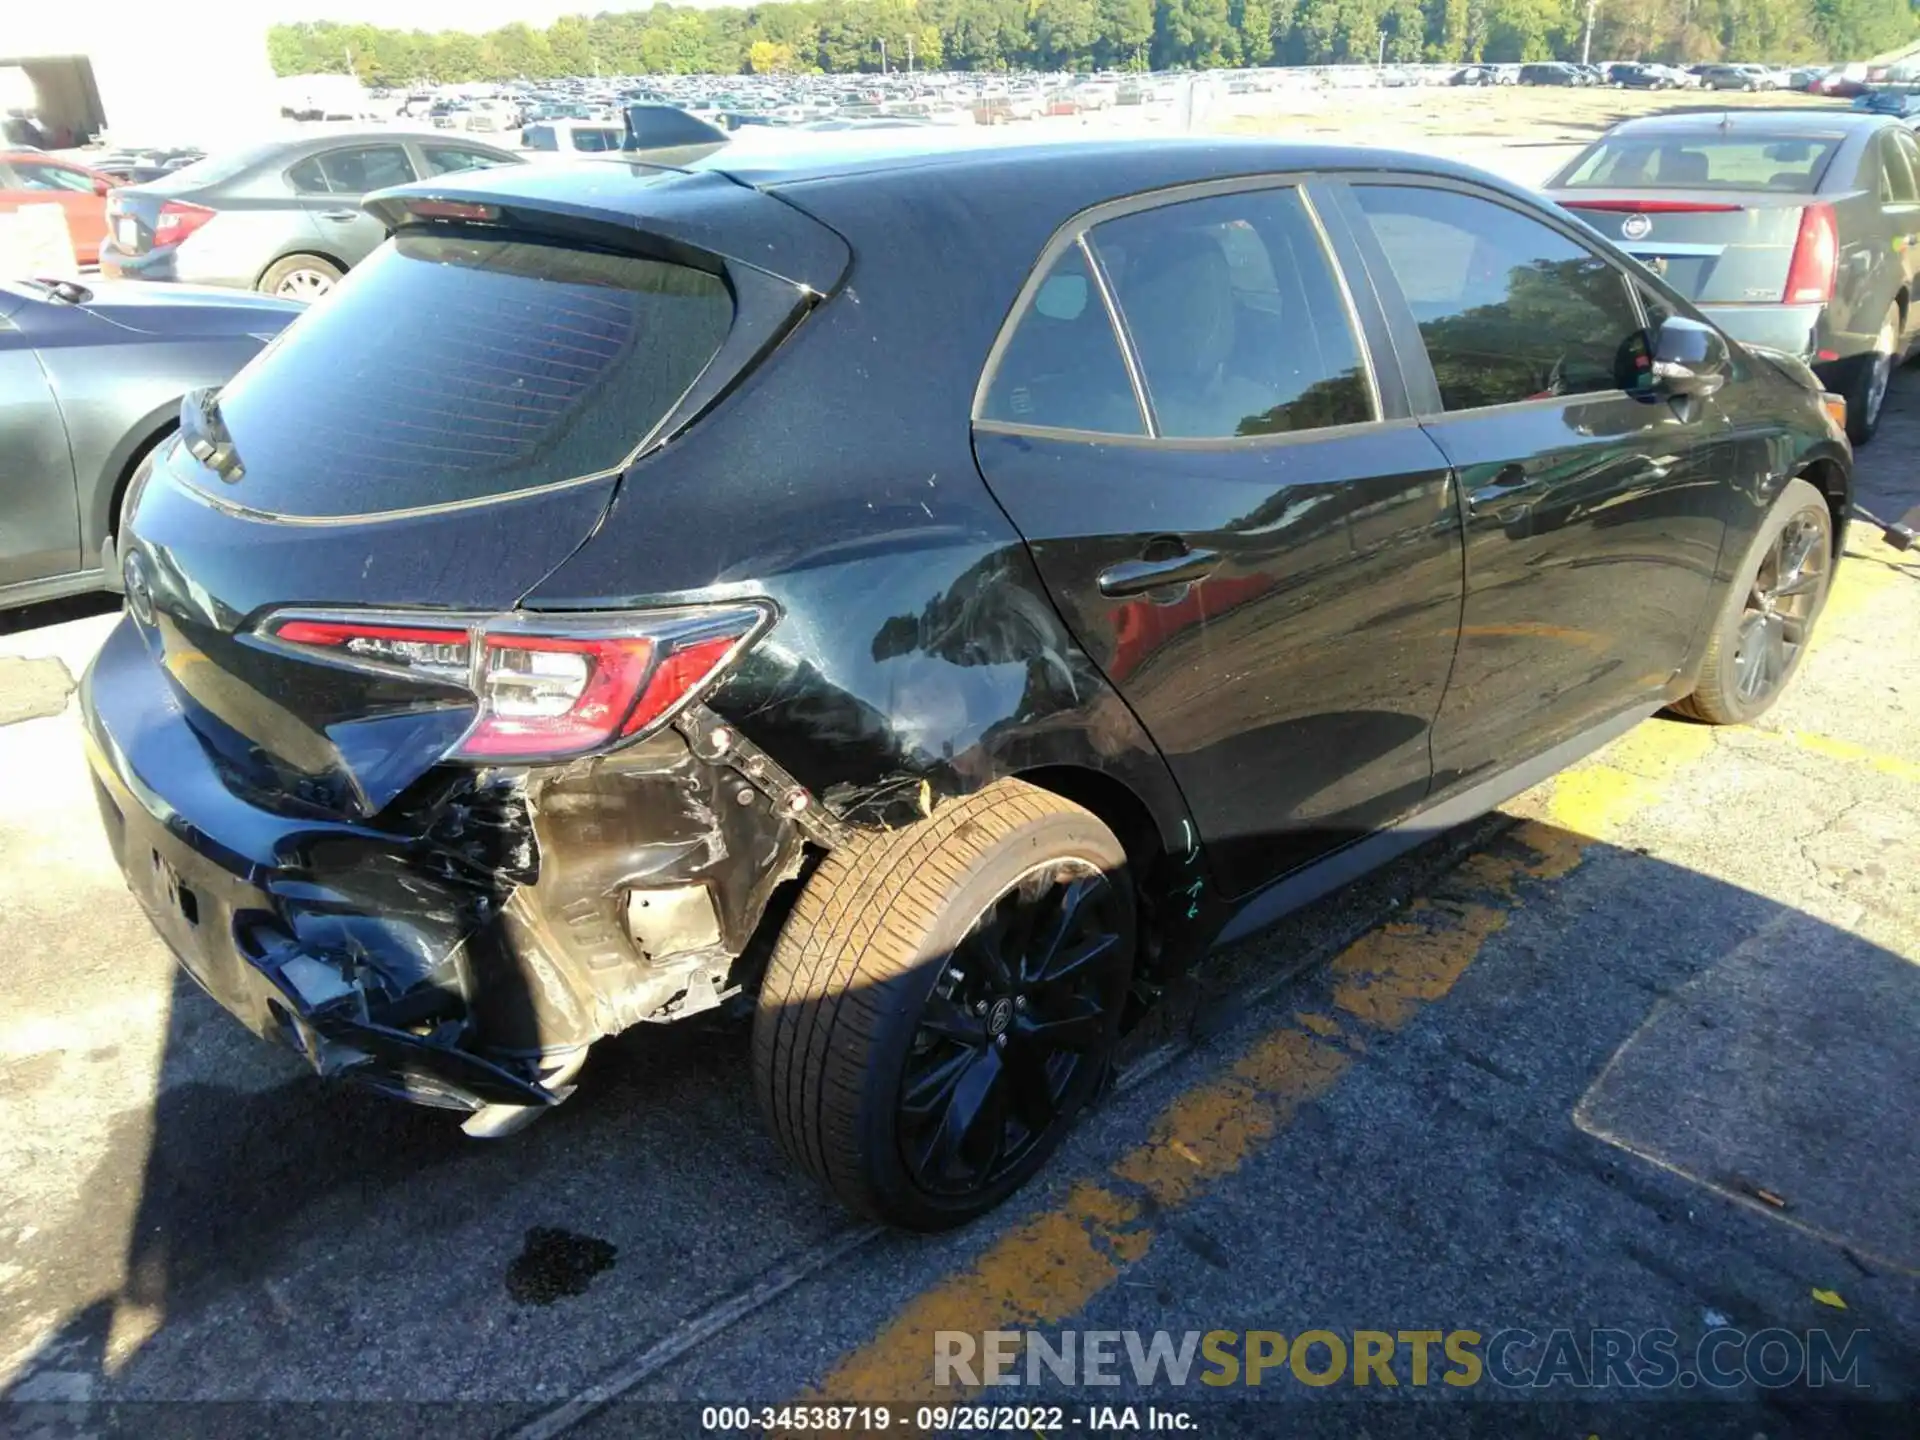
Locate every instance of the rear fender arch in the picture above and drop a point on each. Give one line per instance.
(895, 684)
(300, 252)
(141, 439)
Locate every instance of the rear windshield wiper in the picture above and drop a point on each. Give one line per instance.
(204, 432)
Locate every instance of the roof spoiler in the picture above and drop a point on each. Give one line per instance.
(686, 216)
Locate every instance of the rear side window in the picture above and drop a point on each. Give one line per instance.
(1237, 316)
(35, 175)
(358, 171)
(449, 367)
(596, 141)
(448, 159)
(1897, 179)
(1062, 366)
(1909, 150)
(1509, 308)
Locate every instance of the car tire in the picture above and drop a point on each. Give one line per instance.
(911, 990)
(1872, 376)
(1757, 641)
(300, 277)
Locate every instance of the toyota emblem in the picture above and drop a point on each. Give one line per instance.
(139, 588)
(1636, 227)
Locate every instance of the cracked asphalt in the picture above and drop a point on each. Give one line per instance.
(1638, 1053)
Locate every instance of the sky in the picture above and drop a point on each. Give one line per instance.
(472, 15)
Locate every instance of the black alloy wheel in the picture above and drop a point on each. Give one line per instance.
(944, 999)
(1020, 1011)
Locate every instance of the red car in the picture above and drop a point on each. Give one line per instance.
(29, 178)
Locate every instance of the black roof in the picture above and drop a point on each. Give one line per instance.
(794, 206)
(1127, 165)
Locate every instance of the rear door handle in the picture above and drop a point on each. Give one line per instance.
(1135, 577)
(1510, 480)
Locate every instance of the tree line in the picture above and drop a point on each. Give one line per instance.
(834, 36)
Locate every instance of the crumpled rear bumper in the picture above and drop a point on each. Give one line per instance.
(359, 948)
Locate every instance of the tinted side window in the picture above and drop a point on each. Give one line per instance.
(1897, 186)
(445, 159)
(35, 175)
(596, 140)
(308, 178)
(1908, 150)
(1658, 310)
(1236, 314)
(1509, 309)
(373, 167)
(1062, 364)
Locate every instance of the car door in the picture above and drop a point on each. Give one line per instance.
(39, 513)
(25, 180)
(332, 183)
(1900, 210)
(1229, 501)
(1594, 510)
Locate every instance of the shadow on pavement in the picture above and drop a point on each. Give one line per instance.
(56, 612)
(294, 1240)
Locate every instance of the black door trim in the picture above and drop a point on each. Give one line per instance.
(1304, 886)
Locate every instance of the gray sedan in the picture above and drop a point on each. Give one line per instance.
(91, 381)
(1794, 229)
(283, 217)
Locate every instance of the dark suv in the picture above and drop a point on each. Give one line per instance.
(934, 595)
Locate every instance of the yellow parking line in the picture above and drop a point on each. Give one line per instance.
(1846, 751)
(1049, 1267)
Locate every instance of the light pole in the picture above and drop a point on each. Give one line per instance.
(881, 42)
(1586, 36)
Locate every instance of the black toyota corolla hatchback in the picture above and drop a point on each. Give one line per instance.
(937, 594)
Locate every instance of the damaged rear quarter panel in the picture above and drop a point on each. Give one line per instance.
(917, 655)
(650, 818)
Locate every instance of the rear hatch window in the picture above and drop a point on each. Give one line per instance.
(453, 367)
(1792, 164)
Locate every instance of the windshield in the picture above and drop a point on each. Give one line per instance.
(452, 367)
(1790, 163)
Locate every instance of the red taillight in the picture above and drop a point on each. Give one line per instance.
(1816, 256)
(546, 686)
(177, 220)
(1654, 207)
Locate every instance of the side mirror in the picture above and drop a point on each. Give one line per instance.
(102, 186)
(1689, 358)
